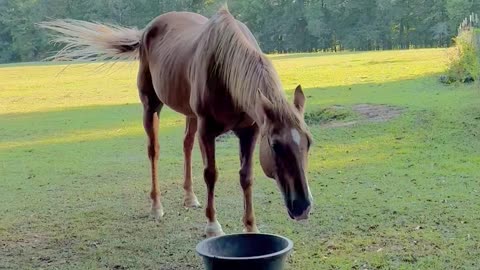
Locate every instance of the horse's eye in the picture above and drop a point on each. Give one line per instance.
(309, 143)
(276, 147)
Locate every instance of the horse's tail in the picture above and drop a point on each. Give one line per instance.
(87, 41)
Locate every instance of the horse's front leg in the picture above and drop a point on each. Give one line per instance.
(207, 147)
(190, 199)
(247, 137)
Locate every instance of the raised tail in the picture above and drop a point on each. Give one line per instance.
(87, 41)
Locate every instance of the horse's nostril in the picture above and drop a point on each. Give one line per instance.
(299, 206)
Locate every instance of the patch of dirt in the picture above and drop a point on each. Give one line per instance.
(377, 112)
(26, 241)
(326, 115)
(338, 116)
(340, 124)
(367, 113)
(39, 250)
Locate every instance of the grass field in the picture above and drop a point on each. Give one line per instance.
(396, 194)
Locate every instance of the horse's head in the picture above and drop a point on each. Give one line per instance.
(283, 154)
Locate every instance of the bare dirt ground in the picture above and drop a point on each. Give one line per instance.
(368, 113)
(377, 112)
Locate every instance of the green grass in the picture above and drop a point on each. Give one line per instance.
(401, 194)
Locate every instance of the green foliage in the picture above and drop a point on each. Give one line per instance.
(465, 59)
(464, 63)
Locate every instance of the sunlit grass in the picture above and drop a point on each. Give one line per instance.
(40, 88)
(84, 135)
(326, 70)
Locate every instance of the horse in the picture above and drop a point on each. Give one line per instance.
(212, 71)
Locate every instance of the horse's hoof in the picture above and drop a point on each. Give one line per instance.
(157, 212)
(253, 229)
(213, 229)
(191, 202)
(213, 234)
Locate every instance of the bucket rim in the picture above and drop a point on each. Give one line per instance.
(283, 251)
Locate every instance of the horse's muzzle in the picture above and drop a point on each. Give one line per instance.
(304, 215)
(299, 209)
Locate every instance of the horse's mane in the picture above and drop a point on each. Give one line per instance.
(244, 69)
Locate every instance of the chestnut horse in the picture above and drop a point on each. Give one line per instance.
(213, 72)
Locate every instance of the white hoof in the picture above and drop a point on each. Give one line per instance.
(253, 229)
(191, 201)
(213, 229)
(157, 212)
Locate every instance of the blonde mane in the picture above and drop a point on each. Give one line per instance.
(244, 69)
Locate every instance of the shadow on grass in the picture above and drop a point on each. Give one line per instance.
(77, 124)
(100, 122)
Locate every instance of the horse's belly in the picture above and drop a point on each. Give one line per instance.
(173, 91)
(176, 98)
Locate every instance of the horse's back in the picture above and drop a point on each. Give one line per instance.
(179, 20)
(171, 26)
(170, 43)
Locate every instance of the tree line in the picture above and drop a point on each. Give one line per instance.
(279, 25)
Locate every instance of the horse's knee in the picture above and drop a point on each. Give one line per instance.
(246, 178)
(210, 175)
(188, 142)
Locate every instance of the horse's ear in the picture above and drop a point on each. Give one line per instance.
(264, 109)
(299, 99)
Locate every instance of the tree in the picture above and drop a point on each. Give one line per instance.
(278, 25)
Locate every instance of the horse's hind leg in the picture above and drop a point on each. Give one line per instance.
(190, 199)
(151, 110)
(150, 123)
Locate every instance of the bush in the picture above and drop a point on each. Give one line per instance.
(464, 64)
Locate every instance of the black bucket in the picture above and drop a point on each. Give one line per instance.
(246, 251)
